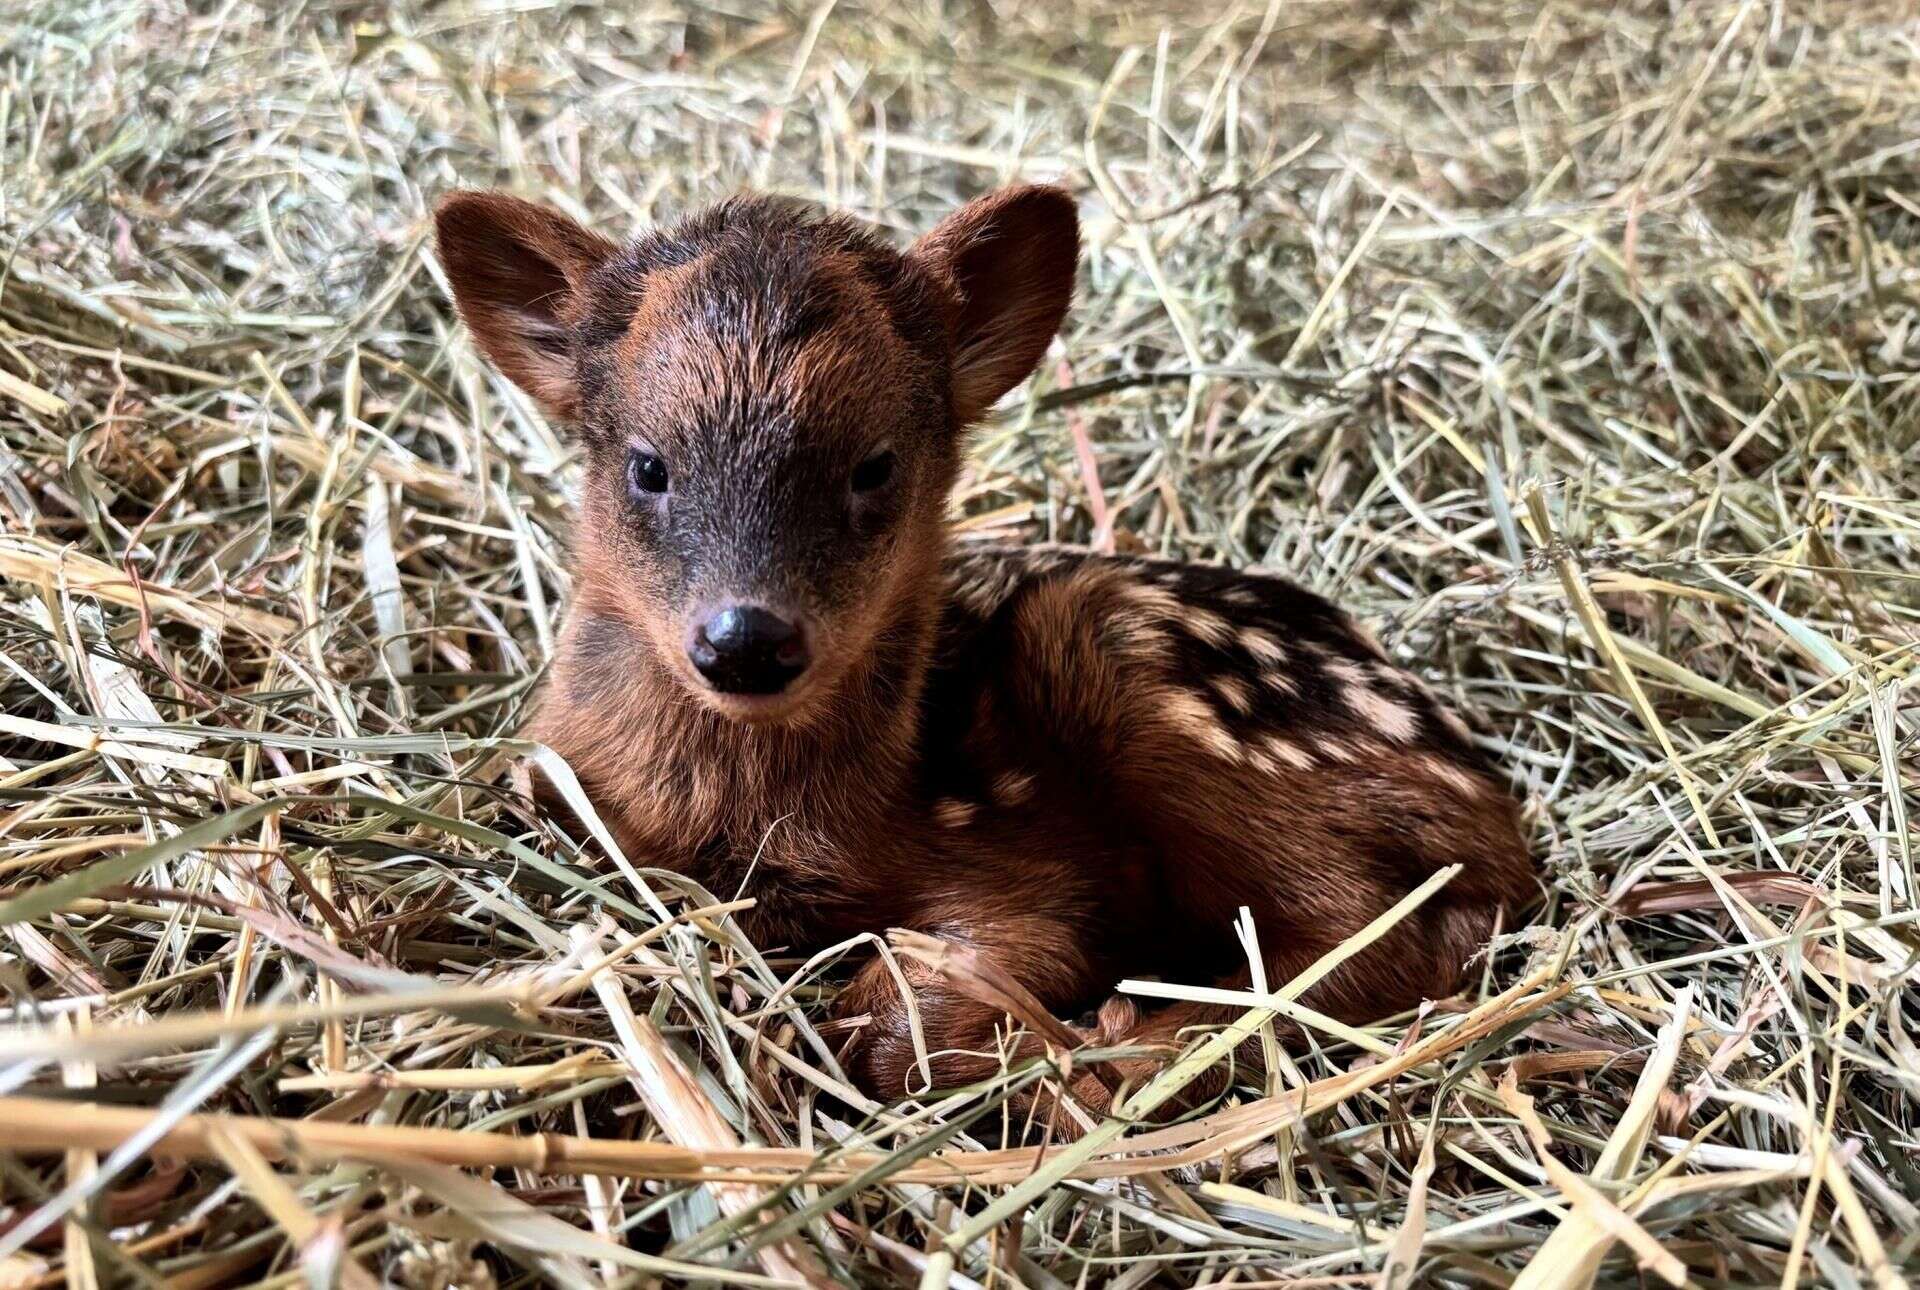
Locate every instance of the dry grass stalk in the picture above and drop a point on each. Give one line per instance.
(318, 1243)
(685, 1114)
(1572, 346)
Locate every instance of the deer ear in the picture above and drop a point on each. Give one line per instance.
(519, 274)
(1008, 260)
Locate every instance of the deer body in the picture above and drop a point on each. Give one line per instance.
(779, 678)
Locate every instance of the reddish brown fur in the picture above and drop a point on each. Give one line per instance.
(1083, 766)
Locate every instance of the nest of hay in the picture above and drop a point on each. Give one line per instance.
(1572, 346)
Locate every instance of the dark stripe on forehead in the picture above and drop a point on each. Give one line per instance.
(771, 267)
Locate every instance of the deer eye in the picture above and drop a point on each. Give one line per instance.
(646, 473)
(872, 474)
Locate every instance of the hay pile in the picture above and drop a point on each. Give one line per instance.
(1573, 346)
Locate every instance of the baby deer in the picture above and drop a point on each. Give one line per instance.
(779, 672)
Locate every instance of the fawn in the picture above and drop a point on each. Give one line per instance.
(778, 672)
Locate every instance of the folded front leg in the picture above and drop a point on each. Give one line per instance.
(964, 1034)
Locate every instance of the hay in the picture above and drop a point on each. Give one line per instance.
(1573, 346)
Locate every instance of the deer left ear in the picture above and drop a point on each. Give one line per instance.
(1008, 259)
(519, 274)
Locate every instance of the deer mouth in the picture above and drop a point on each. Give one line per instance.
(775, 709)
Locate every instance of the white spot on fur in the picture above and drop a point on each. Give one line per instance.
(954, 813)
(1194, 716)
(1233, 692)
(1286, 752)
(1209, 626)
(1012, 787)
(1455, 777)
(1155, 600)
(1335, 751)
(1343, 672)
(1135, 633)
(1390, 718)
(1263, 647)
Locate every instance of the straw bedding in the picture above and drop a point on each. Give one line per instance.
(1572, 346)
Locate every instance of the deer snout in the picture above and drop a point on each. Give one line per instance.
(747, 649)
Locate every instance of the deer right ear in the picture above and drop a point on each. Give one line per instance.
(1008, 258)
(519, 274)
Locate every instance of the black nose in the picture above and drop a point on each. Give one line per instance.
(745, 649)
